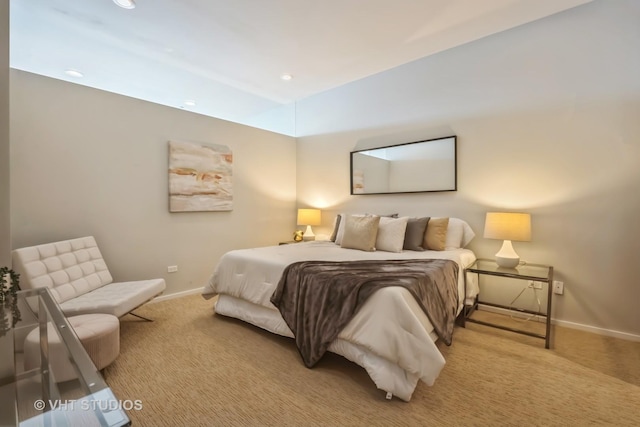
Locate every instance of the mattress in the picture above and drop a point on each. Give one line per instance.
(391, 337)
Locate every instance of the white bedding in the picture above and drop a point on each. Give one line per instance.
(390, 336)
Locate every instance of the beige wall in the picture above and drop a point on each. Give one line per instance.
(6, 342)
(88, 162)
(547, 122)
(5, 226)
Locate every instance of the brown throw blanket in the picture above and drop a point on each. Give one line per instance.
(318, 298)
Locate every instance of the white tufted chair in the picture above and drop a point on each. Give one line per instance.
(79, 280)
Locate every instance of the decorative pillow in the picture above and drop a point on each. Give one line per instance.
(394, 215)
(336, 225)
(340, 233)
(436, 235)
(459, 234)
(340, 224)
(360, 232)
(391, 234)
(414, 235)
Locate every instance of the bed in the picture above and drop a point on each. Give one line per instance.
(391, 337)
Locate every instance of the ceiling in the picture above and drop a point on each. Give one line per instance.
(229, 55)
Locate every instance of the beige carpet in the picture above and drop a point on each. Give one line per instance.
(190, 367)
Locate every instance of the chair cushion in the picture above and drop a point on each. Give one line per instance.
(78, 278)
(117, 298)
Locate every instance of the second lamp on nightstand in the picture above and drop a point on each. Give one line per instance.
(309, 217)
(507, 226)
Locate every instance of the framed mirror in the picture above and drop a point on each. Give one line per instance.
(413, 167)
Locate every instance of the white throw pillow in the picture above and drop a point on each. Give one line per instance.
(459, 234)
(391, 234)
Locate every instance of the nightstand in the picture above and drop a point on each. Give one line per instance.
(288, 242)
(528, 272)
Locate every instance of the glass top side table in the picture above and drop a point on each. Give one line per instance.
(534, 272)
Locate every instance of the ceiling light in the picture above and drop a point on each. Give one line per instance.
(190, 102)
(125, 4)
(286, 77)
(73, 73)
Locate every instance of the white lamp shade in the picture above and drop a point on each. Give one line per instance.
(508, 226)
(309, 217)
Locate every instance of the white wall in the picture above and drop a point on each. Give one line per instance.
(88, 162)
(5, 226)
(547, 119)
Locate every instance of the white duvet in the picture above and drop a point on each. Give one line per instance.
(390, 336)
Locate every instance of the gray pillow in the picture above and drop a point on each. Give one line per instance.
(336, 227)
(393, 215)
(414, 236)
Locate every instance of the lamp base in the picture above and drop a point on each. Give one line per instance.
(308, 234)
(506, 256)
(507, 262)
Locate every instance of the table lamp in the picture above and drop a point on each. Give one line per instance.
(507, 226)
(309, 217)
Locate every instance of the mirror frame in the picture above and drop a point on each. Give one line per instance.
(455, 167)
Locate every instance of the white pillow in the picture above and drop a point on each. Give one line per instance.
(459, 234)
(391, 234)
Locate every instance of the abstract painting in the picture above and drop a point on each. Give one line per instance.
(200, 177)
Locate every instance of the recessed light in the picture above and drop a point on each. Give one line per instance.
(286, 77)
(125, 4)
(73, 73)
(190, 102)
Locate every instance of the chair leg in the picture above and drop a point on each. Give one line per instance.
(141, 317)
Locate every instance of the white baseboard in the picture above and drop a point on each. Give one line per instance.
(176, 295)
(594, 329)
(567, 324)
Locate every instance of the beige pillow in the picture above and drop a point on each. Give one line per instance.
(341, 225)
(435, 236)
(360, 232)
